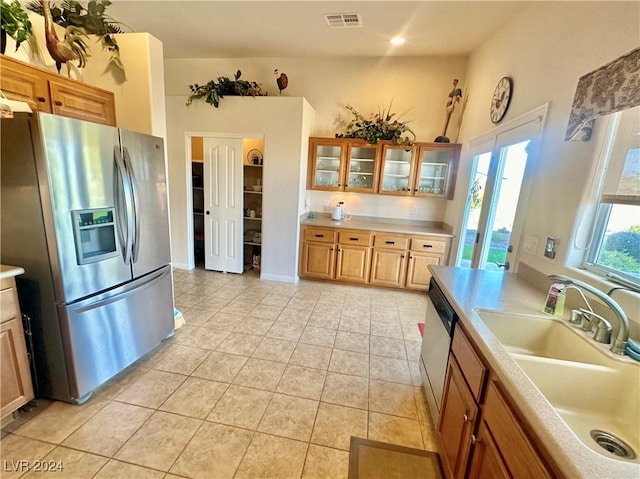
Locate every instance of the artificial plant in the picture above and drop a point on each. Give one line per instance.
(216, 89)
(14, 23)
(378, 126)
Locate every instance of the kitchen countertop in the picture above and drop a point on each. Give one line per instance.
(467, 289)
(379, 224)
(7, 271)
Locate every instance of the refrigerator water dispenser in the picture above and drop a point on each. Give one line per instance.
(95, 234)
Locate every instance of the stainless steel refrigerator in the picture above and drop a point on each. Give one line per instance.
(84, 212)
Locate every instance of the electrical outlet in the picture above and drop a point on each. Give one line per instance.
(550, 248)
(325, 201)
(414, 210)
(530, 244)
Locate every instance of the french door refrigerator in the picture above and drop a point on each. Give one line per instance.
(84, 212)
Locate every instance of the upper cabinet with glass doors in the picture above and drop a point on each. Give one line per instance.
(436, 169)
(424, 169)
(342, 165)
(397, 170)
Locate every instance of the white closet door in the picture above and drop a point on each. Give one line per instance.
(223, 204)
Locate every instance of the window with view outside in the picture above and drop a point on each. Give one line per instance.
(616, 241)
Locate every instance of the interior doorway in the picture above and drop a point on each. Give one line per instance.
(496, 202)
(225, 201)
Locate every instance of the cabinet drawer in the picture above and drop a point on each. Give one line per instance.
(354, 237)
(472, 367)
(8, 306)
(391, 242)
(428, 245)
(320, 235)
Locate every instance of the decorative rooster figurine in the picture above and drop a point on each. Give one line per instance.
(71, 48)
(281, 80)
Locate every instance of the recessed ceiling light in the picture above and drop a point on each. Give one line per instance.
(397, 41)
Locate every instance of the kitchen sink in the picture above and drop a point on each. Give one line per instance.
(595, 394)
(541, 336)
(599, 403)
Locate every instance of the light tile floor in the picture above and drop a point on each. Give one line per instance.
(265, 380)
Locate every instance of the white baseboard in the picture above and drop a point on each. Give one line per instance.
(183, 266)
(280, 278)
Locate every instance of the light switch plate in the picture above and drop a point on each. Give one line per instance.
(530, 244)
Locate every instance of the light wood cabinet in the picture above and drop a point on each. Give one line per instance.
(337, 164)
(51, 93)
(481, 435)
(424, 170)
(332, 255)
(389, 266)
(502, 432)
(16, 388)
(370, 257)
(457, 420)
(342, 164)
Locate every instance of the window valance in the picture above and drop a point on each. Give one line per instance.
(611, 88)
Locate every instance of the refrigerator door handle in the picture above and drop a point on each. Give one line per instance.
(125, 218)
(136, 205)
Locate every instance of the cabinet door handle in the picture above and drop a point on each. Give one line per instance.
(466, 418)
(353, 239)
(390, 242)
(207, 212)
(41, 99)
(427, 246)
(474, 439)
(319, 236)
(58, 103)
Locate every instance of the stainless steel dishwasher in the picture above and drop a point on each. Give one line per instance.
(436, 342)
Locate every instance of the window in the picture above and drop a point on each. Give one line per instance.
(615, 249)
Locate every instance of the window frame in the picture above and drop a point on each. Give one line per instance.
(602, 215)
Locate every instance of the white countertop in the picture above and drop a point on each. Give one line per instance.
(373, 224)
(467, 289)
(7, 271)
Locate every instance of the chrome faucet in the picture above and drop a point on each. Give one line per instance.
(622, 336)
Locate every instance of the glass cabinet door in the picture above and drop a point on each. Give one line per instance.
(434, 173)
(327, 166)
(362, 171)
(396, 175)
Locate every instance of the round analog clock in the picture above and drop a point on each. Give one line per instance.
(501, 99)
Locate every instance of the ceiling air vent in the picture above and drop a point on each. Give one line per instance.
(343, 20)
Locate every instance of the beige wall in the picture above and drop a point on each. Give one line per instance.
(546, 49)
(283, 123)
(417, 88)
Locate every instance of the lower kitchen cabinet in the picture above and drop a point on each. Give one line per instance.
(481, 436)
(457, 420)
(352, 264)
(501, 434)
(16, 388)
(318, 260)
(370, 257)
(332, 255)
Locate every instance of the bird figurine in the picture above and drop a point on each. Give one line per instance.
(71, 48)
(281, 80)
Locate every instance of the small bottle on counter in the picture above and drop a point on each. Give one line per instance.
(555, 300)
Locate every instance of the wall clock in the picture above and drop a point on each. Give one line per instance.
(501, 99)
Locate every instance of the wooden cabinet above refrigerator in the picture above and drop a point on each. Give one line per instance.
(52, 93)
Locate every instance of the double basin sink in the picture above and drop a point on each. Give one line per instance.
(596, 394)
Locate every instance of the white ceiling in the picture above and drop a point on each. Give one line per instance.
(254, 29)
